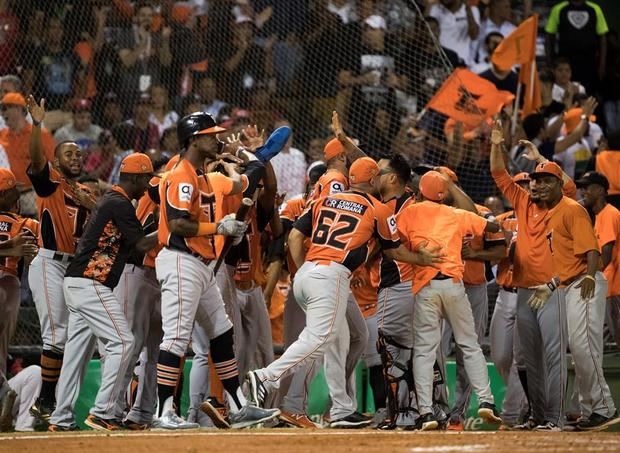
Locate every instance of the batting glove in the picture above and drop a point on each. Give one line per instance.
(542, 293)
(228, 226)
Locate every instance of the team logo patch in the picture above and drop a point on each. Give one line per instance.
(336, 187)
(345, 205)
(578, 19)
(185, 192)
(392, 224)
(5, 227)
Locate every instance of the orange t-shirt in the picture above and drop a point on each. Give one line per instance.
(342, 225)
(366, 295)
(290, 212)
(475, 271)
(570, 235)
(16, 145)
(608, 163)
(447, 229)
(188, 192)
(328, 184)
(607, 229)
(62, 217)
(508, 224)
(10, 226)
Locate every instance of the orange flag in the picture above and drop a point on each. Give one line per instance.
(532, 99)
(519, 47)
(469, 98)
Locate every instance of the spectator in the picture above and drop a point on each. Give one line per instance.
(503, 80)
(498, 22)
(11, 84)
(491, 41)
(245, 62)
(53, 70)
(344, 9)
(9, 24)
(371, 78)
(580, 28)
(111, 111)
(460, 25)
(125, 136)
(169, 142)
(575, 158)
(564, 89)
(147, 133)
(207, 92)
(144, 54)
(100, 161)
(81, 130)
(191, 104)
(290, 167)
(161, 115)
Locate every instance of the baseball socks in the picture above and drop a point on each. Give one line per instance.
(225, 364)
(168, 375)
(51, 364)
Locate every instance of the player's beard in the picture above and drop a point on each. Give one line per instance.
(71, 170)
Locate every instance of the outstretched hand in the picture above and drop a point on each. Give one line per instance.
(430, 256)
(497, 134)
(532, 152)
(37, 112)
(336, 124)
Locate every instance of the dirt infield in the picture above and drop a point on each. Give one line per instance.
(324, 441)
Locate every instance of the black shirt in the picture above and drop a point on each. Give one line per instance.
(109, 237)
(510, 83)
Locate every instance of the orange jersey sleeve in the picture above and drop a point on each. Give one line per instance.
(341, 227)
(392, 272)
(12, 225)
(147, 213)
(330, 183)
(607, 229)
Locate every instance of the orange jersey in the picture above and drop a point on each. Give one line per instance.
(366, 294)
(532, 264)
(475, 271)
(608, 163)
(607, 229)
(508, 224)
(147, 212)
(10, 226)
(276, 310)
(394, 272)
(289, 213)
(330, 183)
(342, 225)
(16, 146)
(61, 216)
(570, 235)
(447, 229)
(188, 192)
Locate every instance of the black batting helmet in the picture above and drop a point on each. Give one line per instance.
(197, 123)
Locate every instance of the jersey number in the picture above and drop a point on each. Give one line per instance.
(324, 235)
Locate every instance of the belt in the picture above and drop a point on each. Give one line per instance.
(194, 254)
(441, 276)
(571, 280)
(510, 289)
(56, 256)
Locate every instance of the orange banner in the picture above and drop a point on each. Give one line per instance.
(469, 98)
(519, 47)
(532, 98)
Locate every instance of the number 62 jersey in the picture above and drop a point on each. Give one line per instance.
(342, 228)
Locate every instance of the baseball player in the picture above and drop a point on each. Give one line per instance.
(63, 208)
(440, 293)
(186, 229)
(11, 226)
(341, 227)
(17, 395)
(607, 227)
(94, 311)
(541, 330)
(503, 334)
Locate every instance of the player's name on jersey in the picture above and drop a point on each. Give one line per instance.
(345, 205)
(5, 227)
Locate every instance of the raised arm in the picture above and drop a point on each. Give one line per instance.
(37, 156)
(497, 140)
(351, 149)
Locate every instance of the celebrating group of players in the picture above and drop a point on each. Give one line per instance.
(381, 268)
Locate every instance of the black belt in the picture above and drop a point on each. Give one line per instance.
(441, 276)
(510, 289)
(62, 257)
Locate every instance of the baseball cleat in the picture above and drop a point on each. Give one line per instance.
(354, 420)
(426, 422)
(170, 420)
(455, 425)
(256, 389)
(216, 412)
(488, 412)
(130, 425)
(297, 420)
(62, 429)
(597, 422)
(42, 413)
(527, 425)
(251, 415)
(548, 427)
(102, 424)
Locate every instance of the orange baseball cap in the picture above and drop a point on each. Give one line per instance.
(137, 163)
(521, 177)
(547, 168)
(572, 118)
(433, 186)
(448, 172)
(7, 179)
(14, 99)
(363, 170)
(333, 149)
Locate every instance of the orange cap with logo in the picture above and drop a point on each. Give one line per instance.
(7, 179)
(521, 177)
(14, 99)
(333, 149)
(433, 186)
(363, 170)
(547, 168)
(137, 163)
(572, 118)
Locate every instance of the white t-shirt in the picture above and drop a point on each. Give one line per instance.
(557, 92)
(453, 30)
(290, 169)
(575, 158)
(170, 119)
(487, 26)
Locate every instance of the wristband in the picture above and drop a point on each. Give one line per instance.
(588, 276)
(36, 123)
(553, 284)
(206, 229)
